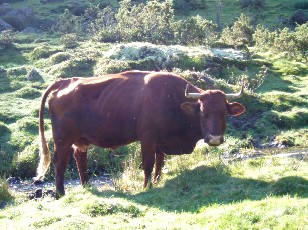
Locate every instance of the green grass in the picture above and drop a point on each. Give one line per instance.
(197, 191)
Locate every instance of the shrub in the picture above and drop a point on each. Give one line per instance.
(264, 38)
(69, 23)
(3, 129)
(5, 194)
(301, 5)
(59, 57)
(28, 92)
(78, 66)
(6, 38)
(25, 164)
(253, 4)
(195, 30)
(299, 17)
(107, 66)
(42, 51)
(293, 44)
(151, 22)
(301, 35)
(239, 34)
(29, 125)
(69, 40)
(103, 25)
(184, 5)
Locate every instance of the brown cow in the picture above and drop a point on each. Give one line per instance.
(114, 110)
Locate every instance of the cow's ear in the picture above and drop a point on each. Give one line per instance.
(190, 108)
(235, 109)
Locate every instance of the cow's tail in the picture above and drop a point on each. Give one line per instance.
(45, 158)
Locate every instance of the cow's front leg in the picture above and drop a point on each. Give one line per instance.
(159, 161)
(148, 149)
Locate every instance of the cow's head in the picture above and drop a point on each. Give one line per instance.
(212, 107)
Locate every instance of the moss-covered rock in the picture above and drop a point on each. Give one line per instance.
(59, 57)
(74, 67)
(28, 92)
(42, 51)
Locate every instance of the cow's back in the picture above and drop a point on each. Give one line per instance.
(102, 110)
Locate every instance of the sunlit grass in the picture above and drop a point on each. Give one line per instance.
(197, 191)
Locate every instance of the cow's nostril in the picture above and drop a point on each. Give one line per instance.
(214, 140)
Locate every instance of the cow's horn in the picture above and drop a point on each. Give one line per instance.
(235, 95)
(191, 95)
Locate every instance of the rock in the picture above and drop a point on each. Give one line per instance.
(2, 204)
(34, 75)
(5, 8)
(13, 180)
(16, 19)
(27, 11)
(31, 30)
(19, 19)
(38, 193)
(37, 182)
(4, 25)
(48, 1)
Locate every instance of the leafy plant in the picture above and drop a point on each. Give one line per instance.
(6, 38)
(5, 194)
(239, 34)
(70, 40)
(293, 44)
(69, 23)
(195, 30)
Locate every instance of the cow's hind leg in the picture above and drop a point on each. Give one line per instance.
(80, 154)
(159, 161)
(60, 162)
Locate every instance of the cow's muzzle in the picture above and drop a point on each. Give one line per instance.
(214, 140)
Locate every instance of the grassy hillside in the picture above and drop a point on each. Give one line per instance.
(198, 191)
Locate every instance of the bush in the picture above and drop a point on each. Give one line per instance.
(78, 66)
(298, 18)
(151, 22)
(195, 31)
(69, 23)
(4, 129)
(301, 5)
(5, 194)
(264, 38)
(29, 125)
(239, 34)
(28, 92)
(184, 5)
(103, 27)
(253, 4)
(107, 66)
(293, 44)
(70, 41)
(42, 51)
(301, 35)
(25, 164)
(6, 38)
(59, 57)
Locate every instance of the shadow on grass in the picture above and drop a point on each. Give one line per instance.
(206, 186)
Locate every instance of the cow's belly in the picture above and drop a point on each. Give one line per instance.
(180, 142)
(178, 146)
